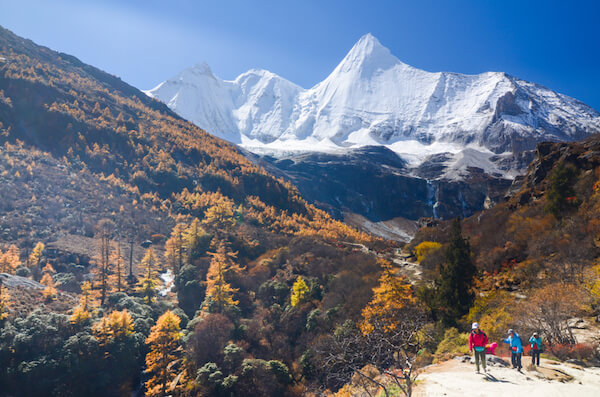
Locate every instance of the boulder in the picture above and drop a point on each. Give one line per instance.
(12, 281)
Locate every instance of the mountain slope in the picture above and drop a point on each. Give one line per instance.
(53, 102)
(548, 228)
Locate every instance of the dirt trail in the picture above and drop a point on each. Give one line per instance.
(456, 379)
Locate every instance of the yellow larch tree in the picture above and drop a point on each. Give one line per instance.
(299, 291)
(220, 216)
(391, 295)
(10, 260)
(116, 325)
(163, 341)
(219, 293)
(148, 283)
(195, 240)
(81, 313)
(50, 290)
(175, 248)
(36, 255)
(4, 298)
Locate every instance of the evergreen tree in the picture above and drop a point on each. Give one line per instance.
(454, 286)
(560, 196)
(163, 342)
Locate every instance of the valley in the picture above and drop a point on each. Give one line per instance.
(252, 237)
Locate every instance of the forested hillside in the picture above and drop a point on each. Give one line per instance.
(139, 255)
(97, 177)
(536, 254)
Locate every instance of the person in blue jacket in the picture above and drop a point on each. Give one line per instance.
(536, 348)
(516, 348)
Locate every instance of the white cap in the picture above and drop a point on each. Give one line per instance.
(475, 326)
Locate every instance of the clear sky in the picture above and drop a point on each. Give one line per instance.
(554, 43)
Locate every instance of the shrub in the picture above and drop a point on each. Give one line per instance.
(492, 312)
(66, 282)
(23, 271)
(425, 248)
(424, 358)
(578, 351)
(454, 343)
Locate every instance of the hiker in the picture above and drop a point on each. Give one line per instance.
(477, 341)
(536, 348)
(516, 348)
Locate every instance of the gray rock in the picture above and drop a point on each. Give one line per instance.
(576, 362)
(12, 281)
(578, 323)
(463, 359)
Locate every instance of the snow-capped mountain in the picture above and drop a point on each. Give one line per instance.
(372, 98)
(379, 141)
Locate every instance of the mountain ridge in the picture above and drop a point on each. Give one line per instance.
(373, 98)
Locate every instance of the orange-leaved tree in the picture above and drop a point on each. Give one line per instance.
(219, 293)
(392, 295)
(50, 290)
(164, 341)
(117, 325)
(3, 303)
(81, 314)
(147, 285)
(175, 248)
(36, 255)
(10, 260)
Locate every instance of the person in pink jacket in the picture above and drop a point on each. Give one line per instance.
(478, 341)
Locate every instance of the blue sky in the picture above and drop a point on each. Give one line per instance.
(554, 43)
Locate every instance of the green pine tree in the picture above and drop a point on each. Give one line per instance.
(561, 196)
(454, 286)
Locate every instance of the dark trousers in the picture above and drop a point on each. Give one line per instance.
(535, 357)
(515, 359)
(480, 358)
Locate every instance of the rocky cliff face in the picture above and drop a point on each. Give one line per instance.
(375, 183)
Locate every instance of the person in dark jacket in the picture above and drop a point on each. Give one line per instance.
(516, 348)
(536, 348)
(477, 341)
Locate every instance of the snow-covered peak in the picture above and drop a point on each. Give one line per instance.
(366, 57)
(372, 98)
(196, 73)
